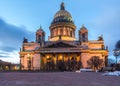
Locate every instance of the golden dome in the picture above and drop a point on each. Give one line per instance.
(62, 15)
(62, 26)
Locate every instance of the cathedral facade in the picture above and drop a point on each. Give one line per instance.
(62, 50)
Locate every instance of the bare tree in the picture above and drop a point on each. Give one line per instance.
(95, 62)
(78, 65)
(116, 51)
(61, 65)
(117, 46)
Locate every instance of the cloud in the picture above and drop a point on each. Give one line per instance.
(10, 57)
(11, 38)
(108, 24)
(2, 56)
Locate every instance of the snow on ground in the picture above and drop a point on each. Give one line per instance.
(115, 73)
(84, 70)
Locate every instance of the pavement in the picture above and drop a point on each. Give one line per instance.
(57, 79)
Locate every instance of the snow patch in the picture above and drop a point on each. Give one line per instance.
(115, 73)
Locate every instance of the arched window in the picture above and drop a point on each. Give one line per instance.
(70, 33)
(55, 31)
(102, 46)
(61, 31)
(83, 37)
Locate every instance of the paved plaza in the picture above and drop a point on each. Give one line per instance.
(57, 79)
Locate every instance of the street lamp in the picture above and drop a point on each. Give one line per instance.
(116, 53)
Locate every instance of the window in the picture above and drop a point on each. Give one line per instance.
(70, 33)
(61, 31)
(66, 31)
(83, 37)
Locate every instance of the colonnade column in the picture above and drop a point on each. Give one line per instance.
(68, 61)
(74, 56)
(68, 56)
(63, 57)
(58, 31)
(56, 60)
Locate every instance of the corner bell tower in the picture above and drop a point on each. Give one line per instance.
(83, 34)
(40, 36)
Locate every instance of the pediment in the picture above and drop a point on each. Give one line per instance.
(60, 45)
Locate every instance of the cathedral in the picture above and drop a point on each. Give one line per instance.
(62, 51)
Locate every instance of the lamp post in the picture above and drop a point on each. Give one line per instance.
(116, 53)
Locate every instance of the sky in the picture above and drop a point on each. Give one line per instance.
(21, 18)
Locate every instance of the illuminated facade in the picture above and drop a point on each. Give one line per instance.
(8, 66)
(62, 50)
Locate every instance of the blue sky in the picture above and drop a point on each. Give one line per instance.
(21, 18)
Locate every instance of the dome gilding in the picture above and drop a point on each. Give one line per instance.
(62, 15)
